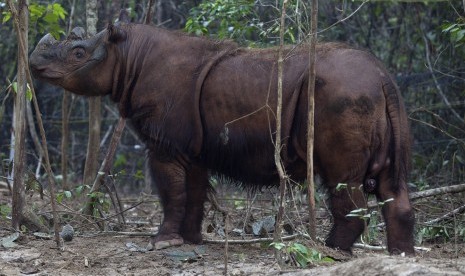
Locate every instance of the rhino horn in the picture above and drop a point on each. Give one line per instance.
(78, 33)
(48, 39)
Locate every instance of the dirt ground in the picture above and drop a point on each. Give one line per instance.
(93, 252)
(112, 255)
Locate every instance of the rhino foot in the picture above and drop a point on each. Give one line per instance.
(164, 241)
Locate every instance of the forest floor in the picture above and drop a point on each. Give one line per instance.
(123, 252)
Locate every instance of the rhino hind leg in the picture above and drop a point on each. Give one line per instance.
(345, 229)
(398, 215)
(196, 185)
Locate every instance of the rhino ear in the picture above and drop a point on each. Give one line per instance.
(77, 33)
(116, 33)
(124, 16)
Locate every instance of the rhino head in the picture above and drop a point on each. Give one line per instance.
(81, 65)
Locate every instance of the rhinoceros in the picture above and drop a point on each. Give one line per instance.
(205, 106)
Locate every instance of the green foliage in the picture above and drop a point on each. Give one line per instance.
(120, 161)
(226, 18)
(44, 18)
(239, 204)
(462, 233)
(341, 186)
(99, 199)
(139, 175)
(14, 86)
(5, 210)
(32, 184)
(431, 233)
(243, 21)
(300, 255)
(64, 194)
(456, 31)
(69, 194)
(47, 18)
(81, 188)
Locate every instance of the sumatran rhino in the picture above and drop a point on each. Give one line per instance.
(208, 106)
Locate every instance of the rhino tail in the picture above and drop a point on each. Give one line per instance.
(399, 148)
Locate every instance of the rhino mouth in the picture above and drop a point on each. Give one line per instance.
(46, 73)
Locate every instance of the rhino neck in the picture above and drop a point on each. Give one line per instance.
(127, 74)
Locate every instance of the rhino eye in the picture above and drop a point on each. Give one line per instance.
(79, 53)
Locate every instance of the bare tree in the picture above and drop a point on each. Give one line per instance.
(150, 10)
(21, 16)
(95, 117)
(311, 121)
(20, 215)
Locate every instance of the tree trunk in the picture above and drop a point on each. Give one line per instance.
(277, 146)
(65, 138)
(19, 124)
(22, 216)
(311, 121)
(149, 14)
(93, 144)
(65, 117)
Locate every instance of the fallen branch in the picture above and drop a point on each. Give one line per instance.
(438, 191)
(128, 234)
(152, 234)
(383, 248)
(258, 240)
(428, 193)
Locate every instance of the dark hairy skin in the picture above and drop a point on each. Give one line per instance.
(208, 106)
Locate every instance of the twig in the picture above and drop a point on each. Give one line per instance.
(454, 212)
(345, 18)
(278, 144)
(443, 132)
(106, 166)
(215, 205)
(226, 244)
(214, 202)
(439, 89)
(116, 214)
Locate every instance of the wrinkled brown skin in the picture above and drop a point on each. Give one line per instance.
(185, 96)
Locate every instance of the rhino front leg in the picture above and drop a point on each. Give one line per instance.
(170, 180)
(197, 185)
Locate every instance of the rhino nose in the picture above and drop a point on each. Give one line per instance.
(37, 63)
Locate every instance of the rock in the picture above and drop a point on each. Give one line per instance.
(67, 233)
(264, 226)
(382, 265)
